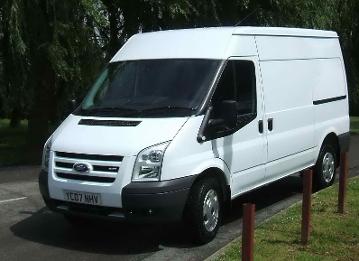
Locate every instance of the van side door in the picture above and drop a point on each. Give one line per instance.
(289, 114)
(244, 147)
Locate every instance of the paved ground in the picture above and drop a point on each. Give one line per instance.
(28, 231)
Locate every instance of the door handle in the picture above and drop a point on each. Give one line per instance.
(260, 126)
(270, 124)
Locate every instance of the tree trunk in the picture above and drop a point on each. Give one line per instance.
(15, 118)
(38, 128)
(113, 45)
(41, 78)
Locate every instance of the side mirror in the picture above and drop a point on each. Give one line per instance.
(227, 110)
(224, 113)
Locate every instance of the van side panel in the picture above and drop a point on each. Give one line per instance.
(330, 99)
(293, 48)
(305, 94)
(331, 80)
(288, 89)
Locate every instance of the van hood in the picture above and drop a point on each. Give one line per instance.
(109, 136)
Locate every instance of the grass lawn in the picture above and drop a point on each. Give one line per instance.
(354, 125)
(334, 236)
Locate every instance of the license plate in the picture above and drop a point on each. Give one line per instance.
(82, 197)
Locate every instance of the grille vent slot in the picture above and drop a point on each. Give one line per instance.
(89, 156)
(85, 177)
(110, 123)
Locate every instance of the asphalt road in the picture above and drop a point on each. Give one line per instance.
(28, 231)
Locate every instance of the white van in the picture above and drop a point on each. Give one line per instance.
(181, 122)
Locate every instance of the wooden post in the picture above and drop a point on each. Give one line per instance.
(306, 205)
(248, 231)
(343, 179)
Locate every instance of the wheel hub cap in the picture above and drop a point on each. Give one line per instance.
(210, 210)
(328, 167)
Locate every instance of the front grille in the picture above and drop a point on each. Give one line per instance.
(64, 165)
(85, 177)
(95, 167)
(89, 156)
(104, 168)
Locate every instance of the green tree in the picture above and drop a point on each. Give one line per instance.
(15, 61)
(1, 62)
(348, 26)
(51, 52)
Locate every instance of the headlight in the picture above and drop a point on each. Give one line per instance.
(149, 162)
(46, 155)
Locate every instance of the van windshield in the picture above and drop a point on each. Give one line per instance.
(150, 88)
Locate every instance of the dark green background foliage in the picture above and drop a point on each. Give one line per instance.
(52, 50)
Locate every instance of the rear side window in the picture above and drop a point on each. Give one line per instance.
(238, 82)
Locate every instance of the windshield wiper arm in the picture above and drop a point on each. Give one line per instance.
(109, 110)
(168, 108)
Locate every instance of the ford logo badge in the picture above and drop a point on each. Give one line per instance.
(82, 167)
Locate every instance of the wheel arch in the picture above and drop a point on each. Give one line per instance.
(332, 138)
(221, 177)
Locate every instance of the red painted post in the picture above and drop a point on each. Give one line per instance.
(343, 179)
(306, 205)
(248, 231)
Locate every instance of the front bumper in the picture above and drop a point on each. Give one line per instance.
(142, 202)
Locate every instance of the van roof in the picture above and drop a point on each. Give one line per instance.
(253, 30)
(209, 43)
(283, 31)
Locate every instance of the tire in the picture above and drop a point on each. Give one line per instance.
(204, 210)
(326, 165)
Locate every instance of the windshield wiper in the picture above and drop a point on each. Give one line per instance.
(129, 111)
(168, 108)
(173, 110)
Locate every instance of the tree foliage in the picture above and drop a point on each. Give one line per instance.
(51, 50)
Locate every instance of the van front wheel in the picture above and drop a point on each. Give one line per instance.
(325, 167)
(204, 210)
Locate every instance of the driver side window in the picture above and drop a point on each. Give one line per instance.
(237, 83)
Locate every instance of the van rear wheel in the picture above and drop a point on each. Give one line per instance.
(204, 210)
(325, 167)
